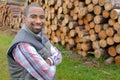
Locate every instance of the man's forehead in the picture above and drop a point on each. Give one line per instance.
(36, 10)
(34, 7)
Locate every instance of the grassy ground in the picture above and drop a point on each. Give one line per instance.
(71, 68)
(5, 41)
(74, 69)
(20, 0)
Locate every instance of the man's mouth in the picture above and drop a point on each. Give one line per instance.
(37, 26)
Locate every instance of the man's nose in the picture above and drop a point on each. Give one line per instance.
(38, 20)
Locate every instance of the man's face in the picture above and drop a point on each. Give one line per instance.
(35, 19)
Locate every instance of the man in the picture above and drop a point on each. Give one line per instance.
(31, 56)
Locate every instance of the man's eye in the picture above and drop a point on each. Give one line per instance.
(42, 17)
(33, 16)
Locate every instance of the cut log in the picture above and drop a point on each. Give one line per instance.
(99, 52)
(101, 2)
(98, 19)
(75, 16)
(93, 37)
(97, 28)
(70, 5)
(58, 4)
(87, 27)
(80, 21)
(108, 6)
(118, 48)
(66, 39)
(117, 60)
(113, 14)
(85, 46)
(64, 29)
(118, 31)
(119, 19)
(83, 33)
(53, 27)
(72, 24)
(95, 2)
(84, 54)
(110, 41)
(116, 26)
(90, 7)
(55, 39)
(91, 31)
(78, 46)
(77, 39)
(109, 60)
(81, 4)
(76, 9)
(102, 34)
(65, 11)
(15, 3)
(76, 3)
(51, 2)
(111, 22)
(89, 17)
(85, 39)
(105, 13)
(82, 11)
(95, 45)
(72, 33)
(112, 51)
(103, 43)
(62, 36)
(97, 9)
(110, 32)
(116, 38)
(65, 21)
(60, 10)
(58, 33)
(63, 42)
(77, 29)
(71, 42)
(91, 24)
(88, 1)
(85, 21)
(105, 26)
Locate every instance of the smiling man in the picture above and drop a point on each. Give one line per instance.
(31, 56)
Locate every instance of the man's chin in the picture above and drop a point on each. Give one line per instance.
(37, 31)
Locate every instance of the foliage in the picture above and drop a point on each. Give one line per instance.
(20, 0)
(2, 0)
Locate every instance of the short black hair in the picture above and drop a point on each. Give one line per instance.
(29, 6)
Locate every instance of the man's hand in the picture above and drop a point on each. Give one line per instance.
(48, 61)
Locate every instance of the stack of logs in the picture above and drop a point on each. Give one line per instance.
(91, 27)
(88, 26)
(5, 14)
(11, 15)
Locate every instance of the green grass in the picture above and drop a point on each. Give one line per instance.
(69, 69)
(5, 41)
(2, 0)
(20, 0)
(77, 71)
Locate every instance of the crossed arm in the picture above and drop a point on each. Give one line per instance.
(27, 56)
